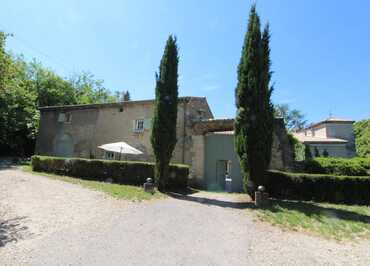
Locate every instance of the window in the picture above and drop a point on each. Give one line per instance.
(65, 118)
(68, 118)
(109, 155)
(139, 125)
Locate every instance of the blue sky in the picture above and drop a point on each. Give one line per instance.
(320, 49)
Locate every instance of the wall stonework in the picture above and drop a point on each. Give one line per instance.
(98, 124)
(282, 152)
(198, 159)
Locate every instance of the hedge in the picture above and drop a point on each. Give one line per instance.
(121, 172)
(338, 166)
(319, 187)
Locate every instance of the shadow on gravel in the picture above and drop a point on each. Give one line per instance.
(210, 201)
(11, 230)
(309, 209)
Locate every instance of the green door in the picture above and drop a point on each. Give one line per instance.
(220, 157)
(221, 170)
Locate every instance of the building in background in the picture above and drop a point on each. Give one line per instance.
(204, 143)
(333, 135)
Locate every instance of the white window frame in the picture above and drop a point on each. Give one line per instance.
(109, 155)
(139, 125)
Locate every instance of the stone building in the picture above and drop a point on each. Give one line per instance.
(204, 143)
(333, 135)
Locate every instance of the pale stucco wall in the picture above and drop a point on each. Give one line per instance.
(319, 131)
(334, 149)
(91, 127)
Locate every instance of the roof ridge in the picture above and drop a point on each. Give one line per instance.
(111, 104)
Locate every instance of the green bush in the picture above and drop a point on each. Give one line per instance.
(337, 166)
(364, 162)
(299, 148)
(319, 187)
(121, 172)
(362, 137)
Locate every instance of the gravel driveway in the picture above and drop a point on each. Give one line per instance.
(49, 222)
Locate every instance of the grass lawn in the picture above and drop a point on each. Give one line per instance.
(332, 221)
(115, 190)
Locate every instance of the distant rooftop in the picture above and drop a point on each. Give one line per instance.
(309, 139)
(330, 120)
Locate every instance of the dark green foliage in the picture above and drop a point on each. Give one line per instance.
(254, 119)
(325, 153)
(337, 166)
(319, 187)
(307, 152)
(364, 162)
(163, 137)
(299, 148)
(317, 153)
(362, 137)
(126, 96)
(121, 172)
(25, 86)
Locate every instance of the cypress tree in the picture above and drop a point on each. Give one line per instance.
(126, 96)
(266, 117)
(163, 137)
(254, 119)
(307, 152)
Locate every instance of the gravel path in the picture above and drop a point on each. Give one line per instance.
(50, 222)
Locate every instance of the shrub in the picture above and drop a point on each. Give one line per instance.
(299, 148)
(121, 172)
(362, 137)
(364, 162)
(336, 166)
(319, 187)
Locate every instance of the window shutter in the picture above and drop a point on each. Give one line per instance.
(133, 125)
(147, 123)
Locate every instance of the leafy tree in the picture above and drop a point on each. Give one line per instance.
(325, 153)
(90, 90)
(126, 96)
(293, 118)
(163, 137)
(18, 113)
(307, 152)
(25, 86)
(254, 119)
(362, 137)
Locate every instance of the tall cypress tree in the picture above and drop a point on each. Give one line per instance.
(266, 118)
(254, 119)
(163, 136)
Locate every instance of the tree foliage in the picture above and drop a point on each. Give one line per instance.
(255, 112)
(26, 86)
(126, 96)
(307, 152)
(293, 118)
(362, 137)
(163, 137)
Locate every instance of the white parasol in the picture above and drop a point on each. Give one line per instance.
(120, 147)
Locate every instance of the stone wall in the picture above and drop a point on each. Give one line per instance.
(94, 125)
(282, 153)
